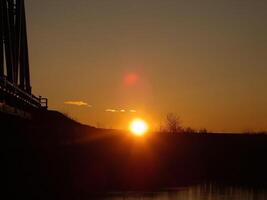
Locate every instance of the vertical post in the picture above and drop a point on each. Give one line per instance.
(15, 13)
(13, 41)
(22, 57)
(24, 47)
(17, 36)
(1, 40)
(8, 42)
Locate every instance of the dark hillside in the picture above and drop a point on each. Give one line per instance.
(53, 156)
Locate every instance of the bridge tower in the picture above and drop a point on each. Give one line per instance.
(15, 83)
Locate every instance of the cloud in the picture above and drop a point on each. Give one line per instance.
(77, 103)
(119, 110)
(111, 110)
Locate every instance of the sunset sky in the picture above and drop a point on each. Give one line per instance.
(105, 62)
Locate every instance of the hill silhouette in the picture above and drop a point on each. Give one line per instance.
(53, 156)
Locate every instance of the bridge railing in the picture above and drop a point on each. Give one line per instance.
(17, 94)
(44, 102)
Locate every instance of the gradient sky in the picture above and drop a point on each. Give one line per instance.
(204, 60)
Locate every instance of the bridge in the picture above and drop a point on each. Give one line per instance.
(15, 86)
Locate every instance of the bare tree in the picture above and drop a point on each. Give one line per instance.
(173, 123)
(189, 130)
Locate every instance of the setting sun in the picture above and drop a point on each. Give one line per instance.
(138, 127)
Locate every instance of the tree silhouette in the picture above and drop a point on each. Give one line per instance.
(173, 123)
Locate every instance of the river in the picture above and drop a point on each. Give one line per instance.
(199, 192)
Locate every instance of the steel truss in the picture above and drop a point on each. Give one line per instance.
(15, 84)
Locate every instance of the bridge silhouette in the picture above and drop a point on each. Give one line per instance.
(15, 86)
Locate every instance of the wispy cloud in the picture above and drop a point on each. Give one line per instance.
(119, 110)
(111, 110)
(77, 103)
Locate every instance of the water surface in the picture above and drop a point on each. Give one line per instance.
(200, 192)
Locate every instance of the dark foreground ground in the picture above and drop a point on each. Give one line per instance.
(53, 157)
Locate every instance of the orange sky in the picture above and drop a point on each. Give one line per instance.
(204, 60)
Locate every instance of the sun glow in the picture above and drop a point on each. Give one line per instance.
(138, 127)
